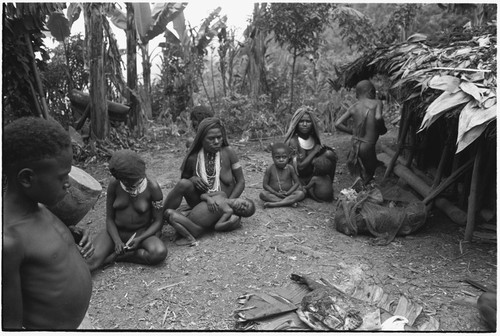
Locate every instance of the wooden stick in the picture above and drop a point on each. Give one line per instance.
(450, 180)
(38, 81)
(404, 130)
(471, 209)
(439, 173)
(460, 69)
(168, 286)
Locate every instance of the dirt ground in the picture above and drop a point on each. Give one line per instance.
(197, 288)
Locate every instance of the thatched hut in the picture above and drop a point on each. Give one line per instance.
(447, 93)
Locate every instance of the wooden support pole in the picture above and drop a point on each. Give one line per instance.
(440, 169)
(471, 209)
(450, 180)
(401, 140)
(455, 214)
(38, 81)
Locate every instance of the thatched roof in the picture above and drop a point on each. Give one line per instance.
(460, 75)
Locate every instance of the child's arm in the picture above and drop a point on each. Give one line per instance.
(227, 212)
(12, 254)
(310, 184)
(212, 204)
(339, 124)
(295, 178)
(265, 182)
(110, 217)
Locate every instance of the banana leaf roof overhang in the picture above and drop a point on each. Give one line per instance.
(458, 75)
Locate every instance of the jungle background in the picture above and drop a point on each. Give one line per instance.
(290, 54)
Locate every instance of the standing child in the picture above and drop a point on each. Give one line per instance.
(215, 211)
(46, 284)
(368, 126)
(134, 215)
(281, 184)
(320, 188)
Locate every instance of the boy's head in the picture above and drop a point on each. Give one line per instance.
(322, 166)
(280, 153)
(243, 207)
(37, 157)
(127, 166)
(366, 89)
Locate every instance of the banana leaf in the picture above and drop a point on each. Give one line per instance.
(445, 83)
(58, 26)
(445, 102)
(472, 123)
(473, 90)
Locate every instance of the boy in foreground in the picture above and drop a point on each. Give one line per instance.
(368, 126)
(281, 184)
(213, 212)
(46, 283)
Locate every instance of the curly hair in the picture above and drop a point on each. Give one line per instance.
(279, 145)
(322, 166)
(32, 139)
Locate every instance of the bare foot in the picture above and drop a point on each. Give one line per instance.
(294, 205)
(266, 205)
(186, 242)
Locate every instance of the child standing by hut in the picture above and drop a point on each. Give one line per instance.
(281, 184)
(368, 126)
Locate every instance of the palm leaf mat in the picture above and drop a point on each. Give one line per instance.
(276, 310)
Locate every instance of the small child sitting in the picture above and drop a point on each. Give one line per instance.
(213, 212)
(320, 187)
(281, 184)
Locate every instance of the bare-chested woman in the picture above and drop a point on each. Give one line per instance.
(133, 215)
(210, 165)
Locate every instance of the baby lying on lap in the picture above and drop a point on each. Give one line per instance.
(216, 211)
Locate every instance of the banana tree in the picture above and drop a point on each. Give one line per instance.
(192, 44)
(149, 23)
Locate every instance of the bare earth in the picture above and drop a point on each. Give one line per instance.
(196, 288)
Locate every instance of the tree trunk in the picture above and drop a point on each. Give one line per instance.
(135, 121)
(98, 108)
(146, 76)
(293, 76)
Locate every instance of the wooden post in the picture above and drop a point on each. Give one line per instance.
(406, 125)
(38, 81)
(471, 209)
(439, 172)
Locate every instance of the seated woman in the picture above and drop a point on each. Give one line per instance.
(210, 165)
(304, 140)
(214, 212)
(133, 215)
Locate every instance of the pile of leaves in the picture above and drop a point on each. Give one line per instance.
(459, 76)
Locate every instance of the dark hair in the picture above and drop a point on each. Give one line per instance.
(322, 166)
(247, 212)
(279, 145)
(366, 88)
(199, 113)
(32, 139)
(127, 164)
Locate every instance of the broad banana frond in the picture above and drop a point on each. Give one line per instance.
(58, 26)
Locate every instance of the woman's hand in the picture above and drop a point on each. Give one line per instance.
(212, 205)
(199, 183)
(119, 247)
(133, 245)
(85, 245)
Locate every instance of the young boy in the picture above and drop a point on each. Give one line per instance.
(46, 283)
(368, 126)
(215, 211)
(320, 187)
(281, 184)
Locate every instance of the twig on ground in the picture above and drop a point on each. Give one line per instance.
(168, 286)
(165, 316)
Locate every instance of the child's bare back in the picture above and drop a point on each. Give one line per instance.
(320, 188)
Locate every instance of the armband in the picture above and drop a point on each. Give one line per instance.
(235, 165)
(158, 204)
